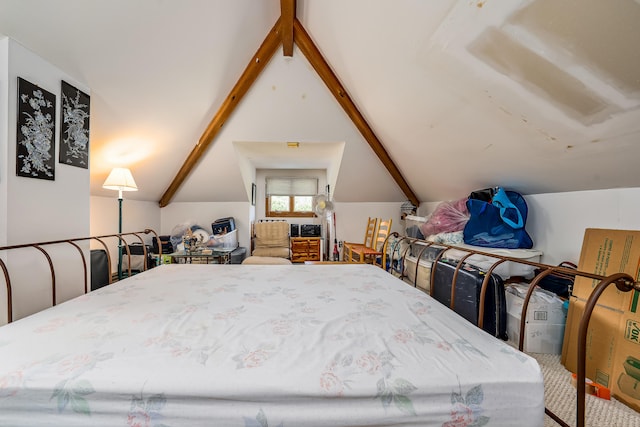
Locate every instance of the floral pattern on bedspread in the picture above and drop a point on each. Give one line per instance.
(259, 421)
(146, 412)
(202, 345)
(466, 411)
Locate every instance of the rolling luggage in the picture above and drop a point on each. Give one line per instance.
(467, 295)
(138, 262)
(165, 241)
(99, 269)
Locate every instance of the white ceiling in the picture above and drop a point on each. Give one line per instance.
(538, 96)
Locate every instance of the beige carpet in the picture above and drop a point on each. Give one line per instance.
(560, 398)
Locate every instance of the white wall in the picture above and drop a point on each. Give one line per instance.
(33, 210)
(351, 218)
(4, 135)
(35, 205)
(203, 214)
(136, 216)
(557, 221)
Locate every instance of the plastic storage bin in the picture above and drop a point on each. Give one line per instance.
(546, 319)
(225, 241)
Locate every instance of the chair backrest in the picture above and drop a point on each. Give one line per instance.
(370, 233)
(384, 228)
(271, 239)
(271, 234)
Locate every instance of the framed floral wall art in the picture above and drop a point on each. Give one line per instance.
(36, 132)
(74, 127)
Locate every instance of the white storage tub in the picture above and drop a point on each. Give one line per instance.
(422, 278)
(224, 241)
(546, 319)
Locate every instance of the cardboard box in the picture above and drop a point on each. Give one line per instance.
(545, 320)
(625, 373)
(613, 337)
(613, 350)
(601, 341)
(605, 252)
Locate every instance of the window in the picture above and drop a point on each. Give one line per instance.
(290, 197)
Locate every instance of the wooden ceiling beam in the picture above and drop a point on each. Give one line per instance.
(287, 15)
(258, 62)
(289, 31)
(313, 55)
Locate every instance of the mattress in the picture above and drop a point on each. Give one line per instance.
(257, 345)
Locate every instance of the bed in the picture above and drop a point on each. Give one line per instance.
(259, 345)
(245, 345)
(512, 264)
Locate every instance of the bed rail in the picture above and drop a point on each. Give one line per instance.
(41, 247)
(624, 282)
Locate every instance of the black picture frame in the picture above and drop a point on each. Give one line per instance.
(74, 126)
(253, 194)
(36, 132)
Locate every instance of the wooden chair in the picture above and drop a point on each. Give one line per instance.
(369, 237)
(370, 254)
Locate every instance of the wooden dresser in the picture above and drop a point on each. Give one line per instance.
(305, 249)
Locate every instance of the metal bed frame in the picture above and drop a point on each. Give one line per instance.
(40, 246)
(622, 281)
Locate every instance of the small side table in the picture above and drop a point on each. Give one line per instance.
(222, 256)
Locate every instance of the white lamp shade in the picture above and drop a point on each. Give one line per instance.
(120, 179)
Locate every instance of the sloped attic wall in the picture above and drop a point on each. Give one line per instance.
(418, 70)
(455, 121)
(288, 102)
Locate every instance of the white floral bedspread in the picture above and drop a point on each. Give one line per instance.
(261, 345)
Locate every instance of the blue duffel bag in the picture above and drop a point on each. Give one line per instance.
(499, 223)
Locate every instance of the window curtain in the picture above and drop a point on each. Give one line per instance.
(292, 186)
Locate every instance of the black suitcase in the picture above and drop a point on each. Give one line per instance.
(165, 241)
(99, 269)
(467, 295)
(138, 262)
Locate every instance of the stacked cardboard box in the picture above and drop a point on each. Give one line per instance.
(613, 337)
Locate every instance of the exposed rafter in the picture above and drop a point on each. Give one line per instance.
(287, 15)
(287, 30)
(313, 55)
(250, 74)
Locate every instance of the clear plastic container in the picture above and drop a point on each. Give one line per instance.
(225, 241)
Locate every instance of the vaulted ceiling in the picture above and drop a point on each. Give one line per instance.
(537, 95)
